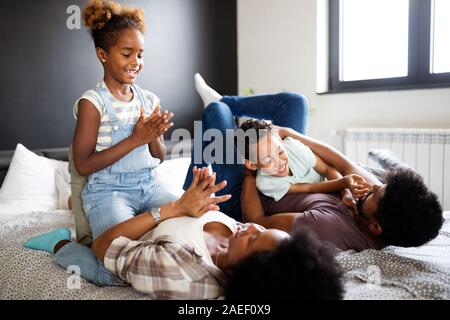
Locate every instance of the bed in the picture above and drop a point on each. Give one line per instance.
(392, 273)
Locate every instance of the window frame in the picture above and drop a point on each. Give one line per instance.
(419, 46)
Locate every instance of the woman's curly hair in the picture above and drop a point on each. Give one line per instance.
(106, 19)
(299, 268)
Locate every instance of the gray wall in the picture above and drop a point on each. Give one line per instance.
(46, 67)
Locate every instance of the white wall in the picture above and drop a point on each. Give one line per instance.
(277, 52)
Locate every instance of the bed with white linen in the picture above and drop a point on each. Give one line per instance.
(392, 273)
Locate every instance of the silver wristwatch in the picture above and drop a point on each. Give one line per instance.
(156, 214)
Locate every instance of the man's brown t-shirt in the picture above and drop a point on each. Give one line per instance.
(327, 216)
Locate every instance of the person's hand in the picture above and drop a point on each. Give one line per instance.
(165, 116)
(157, 123)
(198, 199)
(148, 129)
(349, 201)
(347, 198)
(357, 185)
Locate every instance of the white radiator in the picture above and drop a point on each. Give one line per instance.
(426, 150)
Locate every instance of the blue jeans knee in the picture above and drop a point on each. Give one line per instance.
(79, 258)
(293, 111)
(106, 211)
(216, 110)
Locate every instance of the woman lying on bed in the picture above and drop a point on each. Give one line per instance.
(188, 248)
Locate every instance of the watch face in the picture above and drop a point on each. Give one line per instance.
(156, 214)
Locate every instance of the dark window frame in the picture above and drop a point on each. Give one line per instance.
(419, 75)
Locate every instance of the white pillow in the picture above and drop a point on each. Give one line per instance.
(31, 178)
(171, 174)
(62, 179)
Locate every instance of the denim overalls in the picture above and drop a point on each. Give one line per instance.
(115, 194)
(127, 187)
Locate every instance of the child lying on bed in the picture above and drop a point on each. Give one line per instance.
(288, 166)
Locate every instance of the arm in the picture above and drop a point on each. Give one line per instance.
(87, 160)
(195, 202)
(280, 221)
(332, 174)
(326, 170)
(252, 210)
(321, 187)
(349, 186)
(250, 203)
(158, 148)
(335, 180)
(132, 229)
(330, 155)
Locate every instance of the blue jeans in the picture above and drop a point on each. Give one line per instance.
(283, 109)
(92, 269)
(110, 199)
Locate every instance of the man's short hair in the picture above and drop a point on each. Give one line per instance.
(300, 268)
(409, 213)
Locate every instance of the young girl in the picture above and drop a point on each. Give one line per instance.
(118, 139)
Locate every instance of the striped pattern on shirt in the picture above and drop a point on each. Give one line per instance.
(127, 112)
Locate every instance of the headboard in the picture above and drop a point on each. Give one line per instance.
(63, 154)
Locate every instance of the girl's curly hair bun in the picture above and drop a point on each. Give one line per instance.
(106, 18)
(98, 12)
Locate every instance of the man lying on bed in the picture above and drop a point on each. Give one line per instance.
(186, 249)
(401, 212)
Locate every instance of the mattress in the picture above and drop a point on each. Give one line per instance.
(400, 273)
(391, 273)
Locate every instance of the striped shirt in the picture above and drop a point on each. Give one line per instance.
(127, 112)
(167, 264)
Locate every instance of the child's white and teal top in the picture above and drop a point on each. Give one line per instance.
(301, 162)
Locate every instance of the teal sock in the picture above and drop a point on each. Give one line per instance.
(47, 241)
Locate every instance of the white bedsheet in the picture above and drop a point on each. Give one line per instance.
(28, 274)
(400, 273)
(391, 273)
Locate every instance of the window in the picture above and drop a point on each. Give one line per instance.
(385, 44)
(440, 43)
